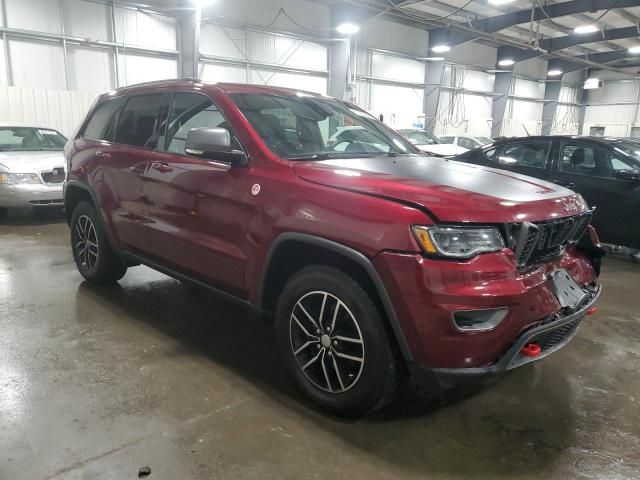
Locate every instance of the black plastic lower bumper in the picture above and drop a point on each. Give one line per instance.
(552, 334)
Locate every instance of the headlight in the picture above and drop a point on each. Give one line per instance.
(19, 178)
(458, 242)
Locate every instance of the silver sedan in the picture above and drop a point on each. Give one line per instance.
(32, 167)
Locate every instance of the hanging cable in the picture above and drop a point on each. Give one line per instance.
(416, 17)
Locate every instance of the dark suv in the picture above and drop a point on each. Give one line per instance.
(374, 260)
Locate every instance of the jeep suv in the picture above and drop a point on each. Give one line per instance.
(374, 261)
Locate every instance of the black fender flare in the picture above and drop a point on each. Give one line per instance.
(357, 257)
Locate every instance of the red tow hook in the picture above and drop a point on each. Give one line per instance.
(592, 310)
(531, 350)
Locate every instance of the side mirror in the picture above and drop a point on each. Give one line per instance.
(213, 144)
(632, 175)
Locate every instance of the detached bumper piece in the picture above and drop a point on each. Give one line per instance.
(550, 335)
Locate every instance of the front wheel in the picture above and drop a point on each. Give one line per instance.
(95, 259)
(335, 343)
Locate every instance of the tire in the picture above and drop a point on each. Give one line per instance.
(349, 370)
(3, 213)
(95, 259)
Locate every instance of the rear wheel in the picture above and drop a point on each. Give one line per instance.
(94, 257)
(335, 343)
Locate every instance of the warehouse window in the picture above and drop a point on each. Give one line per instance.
(138, 124)
(101, 125)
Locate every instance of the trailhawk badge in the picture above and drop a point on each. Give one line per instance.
(255, 190)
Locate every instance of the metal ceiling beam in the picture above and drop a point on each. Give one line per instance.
(567, 66)
(507, 20)
(560, 43)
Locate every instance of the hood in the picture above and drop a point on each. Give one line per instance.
(31, 162)
(448, 190)
(443, 149)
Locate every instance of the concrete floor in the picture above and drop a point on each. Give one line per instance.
(96, 383)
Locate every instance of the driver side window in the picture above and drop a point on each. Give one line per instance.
(188, 111)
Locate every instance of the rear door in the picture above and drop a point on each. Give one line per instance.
(126, 160)
(590, 169)
(199, 209)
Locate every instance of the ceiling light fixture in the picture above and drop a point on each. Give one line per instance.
(554, 72)
(432, 59)
(635, 49)
(586, 29)
(347, 28)
(441, 48)
(500, 2)
(506, 62)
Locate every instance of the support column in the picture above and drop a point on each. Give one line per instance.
(501, 90)
(189, 42)
(434, 77)
(339, 59)
(551, 96)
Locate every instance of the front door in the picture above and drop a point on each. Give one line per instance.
(591, 170)
(199, 209)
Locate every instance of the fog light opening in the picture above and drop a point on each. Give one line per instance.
(479, 320)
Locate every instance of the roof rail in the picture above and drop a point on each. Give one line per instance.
(157, 82)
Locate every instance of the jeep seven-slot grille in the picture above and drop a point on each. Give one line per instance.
(542, 241)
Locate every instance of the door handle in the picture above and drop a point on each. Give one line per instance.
(162, 167)
(101, 154)
(564, 184)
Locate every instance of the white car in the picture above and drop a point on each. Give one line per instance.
(429, 143)
(466, 141)
(32, 167)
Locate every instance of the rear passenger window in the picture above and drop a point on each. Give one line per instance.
(138, 124)
(526, 154)
(101, 125)
(188, 111)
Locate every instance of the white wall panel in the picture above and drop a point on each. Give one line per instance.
(614, 91)
(287, 51)
(3, 63)
(288, 80)
(38, 15)
(528, 88)
(87, 19)
(144, 29)
(90, 69)
(396, 68)
(401, 106)
(223, 41)
(222, 73)
(386, 35)
(478, 80)
(37, 64)
(473, 54)
(139, 68)
(524, 110)
(62, 110)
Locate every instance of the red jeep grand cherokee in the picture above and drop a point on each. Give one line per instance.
(375, 260)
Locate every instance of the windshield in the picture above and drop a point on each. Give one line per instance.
(309, 127)
(484, 140)
(28, 139)
(420, 137)
(630, 148)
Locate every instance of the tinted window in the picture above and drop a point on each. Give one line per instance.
(101, 125)
(190, 110)
(490, 153)
(138, 121)
(585, 160)
(446, 139)
(526, 154)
